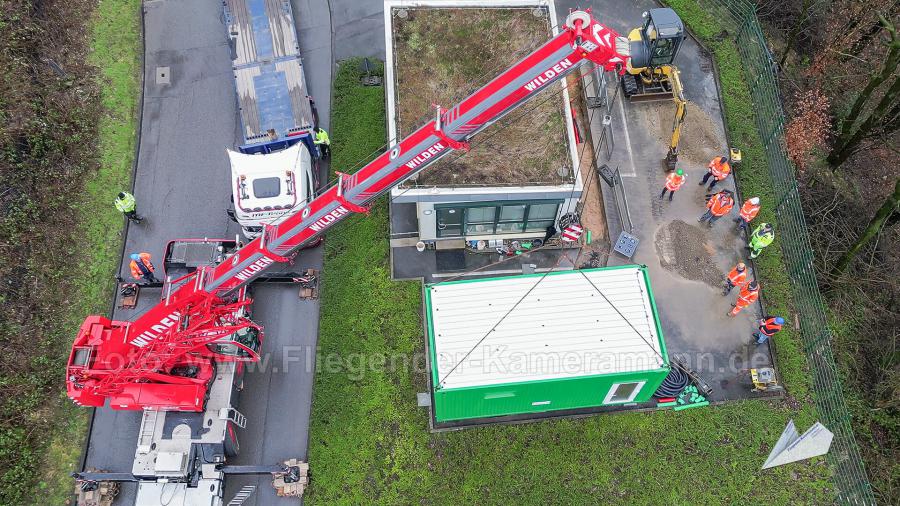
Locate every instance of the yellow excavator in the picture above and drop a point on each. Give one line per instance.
(650, 73)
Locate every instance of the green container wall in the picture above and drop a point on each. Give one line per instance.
(517, 398)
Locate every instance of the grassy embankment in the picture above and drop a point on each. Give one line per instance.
(115, 47)
(370, 443)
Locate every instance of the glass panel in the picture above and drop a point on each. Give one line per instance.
(479, 228)
(450, 231)
(266, 187)
(449, 222)
(509, 228)
(538, 226)
(542, 212)
(623, 392)
(480, 215)
(650, 30)
(512, 213)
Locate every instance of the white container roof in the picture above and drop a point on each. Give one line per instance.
(539, 327)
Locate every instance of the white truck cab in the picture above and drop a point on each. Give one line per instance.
(268, 188)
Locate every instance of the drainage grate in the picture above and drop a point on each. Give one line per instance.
(705, 62)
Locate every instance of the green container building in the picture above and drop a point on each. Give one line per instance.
(543, 342)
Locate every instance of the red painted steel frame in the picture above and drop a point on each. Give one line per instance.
(130, 363)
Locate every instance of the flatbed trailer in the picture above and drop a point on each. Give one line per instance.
(275, 108)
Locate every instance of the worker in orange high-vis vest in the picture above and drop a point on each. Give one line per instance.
(749, 294)
(673, 182)
(748, 211)
(768, 327)
(142, 267)
(718, 169)
(717, 206)
(737, 277)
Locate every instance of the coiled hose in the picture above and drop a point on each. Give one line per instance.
(675, 382)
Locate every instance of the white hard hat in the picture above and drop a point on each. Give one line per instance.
(754, 200)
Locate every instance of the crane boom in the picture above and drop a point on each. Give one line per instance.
(114, 360)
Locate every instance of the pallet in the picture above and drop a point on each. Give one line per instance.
(129, 301)
(310, 291)
(295, 489)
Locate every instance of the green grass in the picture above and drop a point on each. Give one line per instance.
(369, 442)
(116, 45)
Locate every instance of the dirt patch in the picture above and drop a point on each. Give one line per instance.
(442, 56)
(593, 217)
(686, 250)
(701, 139)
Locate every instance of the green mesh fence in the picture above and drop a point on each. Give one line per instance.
(848, 471)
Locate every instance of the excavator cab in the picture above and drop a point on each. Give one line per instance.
(653, 48)
(658, 40)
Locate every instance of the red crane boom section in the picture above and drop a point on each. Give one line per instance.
(130, 363)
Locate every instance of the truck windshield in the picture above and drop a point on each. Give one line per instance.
(266, 187)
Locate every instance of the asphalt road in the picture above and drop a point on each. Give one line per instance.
(181, 180)
(189, 118)
(280, 394)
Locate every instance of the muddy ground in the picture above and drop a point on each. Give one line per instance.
(700, 140)
(443, 55)
(686, 250)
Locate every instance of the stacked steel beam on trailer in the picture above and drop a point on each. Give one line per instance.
(268, 74)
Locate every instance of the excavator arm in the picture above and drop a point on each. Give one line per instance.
(680, 111)
(160, 360)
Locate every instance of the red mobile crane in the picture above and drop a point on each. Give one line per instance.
(166, 358)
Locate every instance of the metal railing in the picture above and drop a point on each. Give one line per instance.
(848, 471)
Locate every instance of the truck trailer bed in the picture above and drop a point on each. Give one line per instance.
(268, 72)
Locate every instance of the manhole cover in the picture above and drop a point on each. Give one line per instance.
(163, 76)
(626, 244)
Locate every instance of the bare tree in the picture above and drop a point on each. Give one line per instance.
(889, 207)
(875, 121)
(799, 23)
(848, 138)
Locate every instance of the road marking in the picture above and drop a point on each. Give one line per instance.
(633, 172)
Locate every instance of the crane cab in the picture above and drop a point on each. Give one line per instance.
(268, 188)
(653, 48)
(241, 346)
